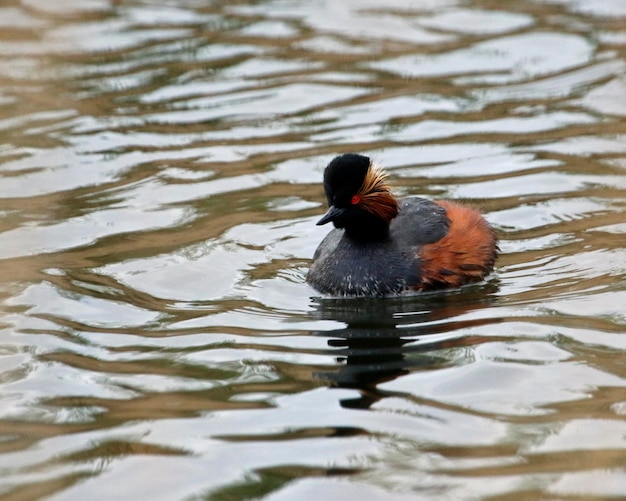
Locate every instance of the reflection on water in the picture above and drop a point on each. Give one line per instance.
(160, 177)
(385, 339)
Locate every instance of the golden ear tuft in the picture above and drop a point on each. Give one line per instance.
(375, 180)
(376, 197)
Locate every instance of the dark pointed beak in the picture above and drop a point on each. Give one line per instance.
(333, 213)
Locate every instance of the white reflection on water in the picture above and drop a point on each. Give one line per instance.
(505, 60)
(160, 182)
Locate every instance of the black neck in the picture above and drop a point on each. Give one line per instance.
(368, 228)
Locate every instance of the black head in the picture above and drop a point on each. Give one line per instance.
(343, 178)
(358, 199)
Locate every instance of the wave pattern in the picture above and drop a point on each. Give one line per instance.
(159, 182)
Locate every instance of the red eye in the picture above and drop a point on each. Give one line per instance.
(355, 199)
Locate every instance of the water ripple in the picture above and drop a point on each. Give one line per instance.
(160, 179)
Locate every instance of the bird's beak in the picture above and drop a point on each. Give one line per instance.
(333, 213)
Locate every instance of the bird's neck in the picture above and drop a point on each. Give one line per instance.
(368, 229)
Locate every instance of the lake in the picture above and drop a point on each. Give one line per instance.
(160, 180)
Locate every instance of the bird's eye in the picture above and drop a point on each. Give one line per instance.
(355, 199)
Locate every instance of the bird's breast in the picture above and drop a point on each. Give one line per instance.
(344, 267)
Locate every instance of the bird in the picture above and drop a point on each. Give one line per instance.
(383, 246)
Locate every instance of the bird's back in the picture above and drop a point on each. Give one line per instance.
(419, 222)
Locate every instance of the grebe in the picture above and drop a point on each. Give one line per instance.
(383, 246)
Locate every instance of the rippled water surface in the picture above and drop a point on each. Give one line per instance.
(160, 171)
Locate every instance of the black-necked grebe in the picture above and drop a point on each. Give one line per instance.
(381, 246)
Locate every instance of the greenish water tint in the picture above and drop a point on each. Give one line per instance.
(160, 179)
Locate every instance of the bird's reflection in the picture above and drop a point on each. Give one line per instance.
(387, 338)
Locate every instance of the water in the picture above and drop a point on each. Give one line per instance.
(160, 180)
